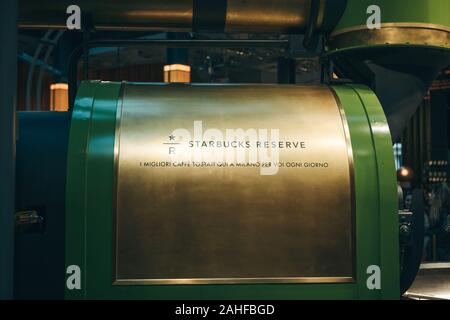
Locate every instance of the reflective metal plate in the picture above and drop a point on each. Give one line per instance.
(179, 220)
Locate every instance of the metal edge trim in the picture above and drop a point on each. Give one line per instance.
(119, 112)
(435, 266)
(351, 164)
(430, 26)
(418, 296)
(85, 186)
(330, 280)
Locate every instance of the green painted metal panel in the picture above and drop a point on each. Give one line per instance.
(90, 224)
(387, 190)
(400, 11)
(375, 182)
(99, 188)
(367, 226)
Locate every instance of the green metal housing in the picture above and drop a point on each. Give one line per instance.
(397, 11)
(400, 59)
(89, 211)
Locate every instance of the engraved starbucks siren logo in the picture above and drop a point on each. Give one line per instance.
(172, 144)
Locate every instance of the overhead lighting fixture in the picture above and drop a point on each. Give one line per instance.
(177, 73)
(405, 174)
(59, 97)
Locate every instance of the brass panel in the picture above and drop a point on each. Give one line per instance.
(227, 224)
(267, 15)
(393, 34)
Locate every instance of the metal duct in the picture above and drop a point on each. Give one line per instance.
(278, 16)
(400, 60)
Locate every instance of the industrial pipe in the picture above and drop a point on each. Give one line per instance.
(278, 16)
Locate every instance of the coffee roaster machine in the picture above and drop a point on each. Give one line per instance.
(230, 191)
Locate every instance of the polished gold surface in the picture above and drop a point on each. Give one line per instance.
(267, 15)
(392, 34)
(231, 224)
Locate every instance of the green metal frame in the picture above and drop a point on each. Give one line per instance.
(89, 212)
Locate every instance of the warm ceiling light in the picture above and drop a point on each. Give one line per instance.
(177, 67)
(177, 73)
(59, 86)
(404, 172)
(59, 97)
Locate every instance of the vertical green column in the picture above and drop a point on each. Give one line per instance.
(387, 196)
(100, 190)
